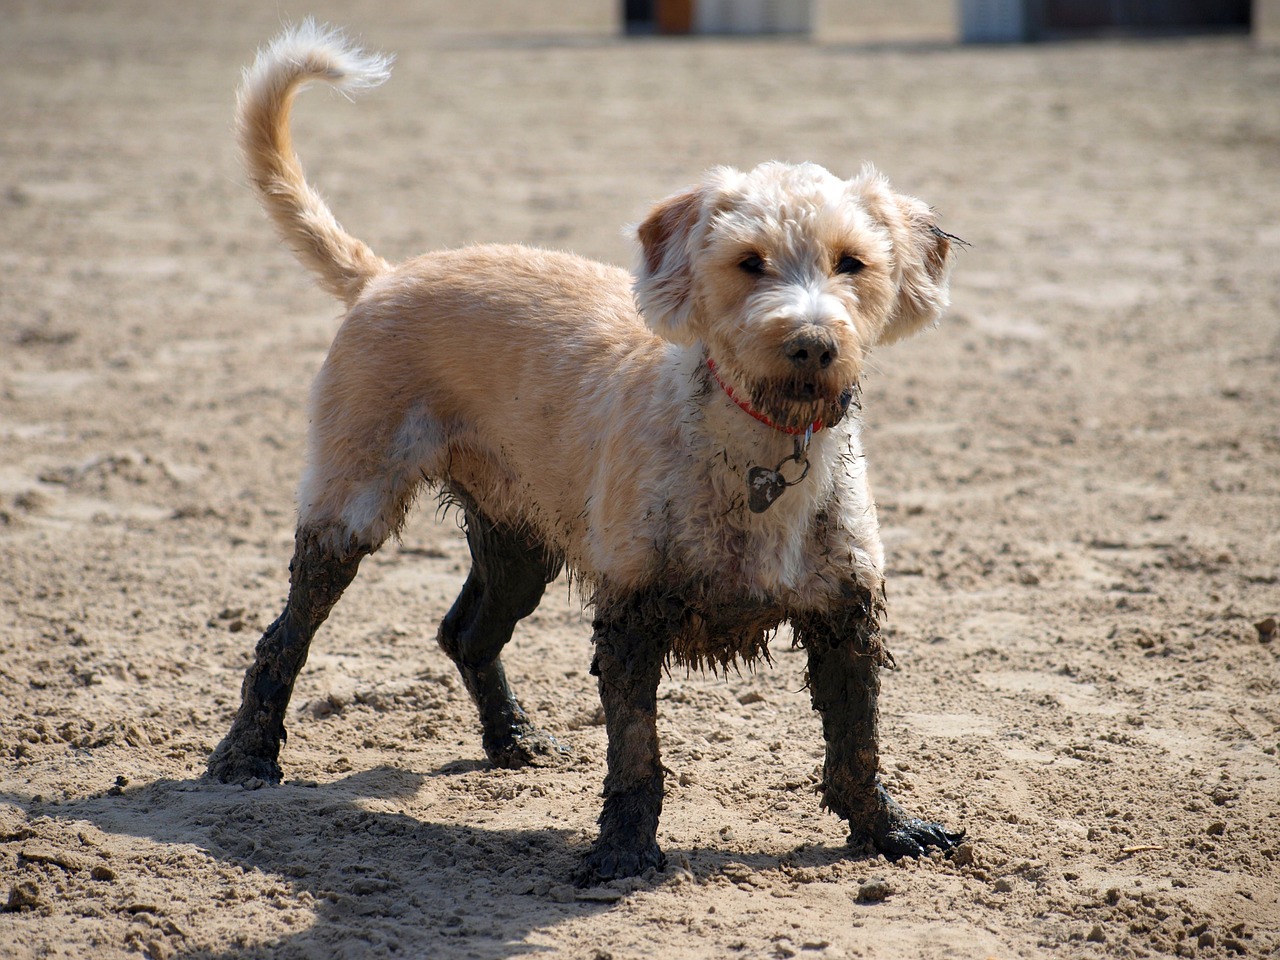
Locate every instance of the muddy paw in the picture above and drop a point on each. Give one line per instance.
(526, 746)
(897, 835)
(231, 763)
(914, 838)
(607, 861)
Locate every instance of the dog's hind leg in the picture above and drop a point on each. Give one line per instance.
(318, 574)
(845, 656)
(510, 570)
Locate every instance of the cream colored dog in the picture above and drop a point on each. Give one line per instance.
(679, 441)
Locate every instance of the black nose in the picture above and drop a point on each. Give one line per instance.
(811, 351)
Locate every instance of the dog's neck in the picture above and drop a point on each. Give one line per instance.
(779, 471)
(730, 420)
(766, 484)
(746, 407)
(792, 547)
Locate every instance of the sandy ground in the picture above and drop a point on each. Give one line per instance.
(1077, 473)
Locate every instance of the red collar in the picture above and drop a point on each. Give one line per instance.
(793, 431)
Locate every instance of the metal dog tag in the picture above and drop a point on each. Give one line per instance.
(763, 487)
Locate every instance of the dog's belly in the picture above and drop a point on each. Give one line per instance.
(644, 516)
(646, 501)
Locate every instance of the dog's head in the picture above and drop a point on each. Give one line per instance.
(787, 276)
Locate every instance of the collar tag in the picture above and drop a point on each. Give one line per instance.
(764, 486)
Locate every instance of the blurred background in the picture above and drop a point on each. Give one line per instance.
(970, 20)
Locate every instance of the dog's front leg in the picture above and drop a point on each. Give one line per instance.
(317, 577)
(632, 638)
(845, 656)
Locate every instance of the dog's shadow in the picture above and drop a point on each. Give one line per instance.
(378, 880)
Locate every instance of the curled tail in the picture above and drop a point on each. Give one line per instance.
(297, 57)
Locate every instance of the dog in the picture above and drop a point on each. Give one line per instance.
(684, 442)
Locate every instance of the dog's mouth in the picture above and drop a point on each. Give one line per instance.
(792, 405)
(797, 404)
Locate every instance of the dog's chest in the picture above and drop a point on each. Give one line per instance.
(675, 508)
(796, 553)
(783, 558)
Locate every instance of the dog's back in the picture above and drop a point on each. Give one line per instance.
(440, 368)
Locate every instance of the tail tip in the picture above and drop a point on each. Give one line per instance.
(327, 53)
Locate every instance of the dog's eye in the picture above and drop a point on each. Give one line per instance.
(849, 265)
(752, 263)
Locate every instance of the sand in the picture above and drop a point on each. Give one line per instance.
(1076, 471)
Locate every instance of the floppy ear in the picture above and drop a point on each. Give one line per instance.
(922, 255)
(664, 279)
(673, 233)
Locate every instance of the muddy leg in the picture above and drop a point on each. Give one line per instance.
(632, 638)
(317, 577)
(509, 573)
(845, 657)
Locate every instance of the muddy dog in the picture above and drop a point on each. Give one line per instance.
(681, 440)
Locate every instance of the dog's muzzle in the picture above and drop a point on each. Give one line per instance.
(797, 404)
(793, 406)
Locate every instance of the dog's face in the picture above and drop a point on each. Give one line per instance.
(787, 275)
